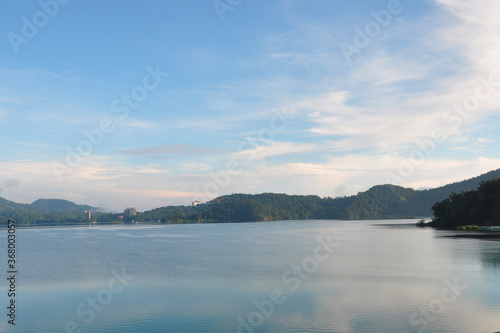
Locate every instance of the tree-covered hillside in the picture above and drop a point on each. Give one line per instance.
(57, 205)
(480, 207)
(379, 202)
(43, 211)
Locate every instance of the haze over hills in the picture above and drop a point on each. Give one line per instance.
(379, 202)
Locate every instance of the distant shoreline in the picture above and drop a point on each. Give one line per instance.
(476, 235)
(97, 224)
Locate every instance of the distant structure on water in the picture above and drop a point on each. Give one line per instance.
(130, 212)
(89, 213)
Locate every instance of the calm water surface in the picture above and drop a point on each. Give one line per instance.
(307, 276)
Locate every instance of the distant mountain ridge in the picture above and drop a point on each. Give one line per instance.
(379, 202)
(467, 185)
(43, 211)
(57, 205)
(409, 202)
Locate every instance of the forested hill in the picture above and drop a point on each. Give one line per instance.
(43, 211)
(480, 207)
(57, 205)
(379, 202)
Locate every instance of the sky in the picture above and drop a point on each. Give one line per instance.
(146, 104)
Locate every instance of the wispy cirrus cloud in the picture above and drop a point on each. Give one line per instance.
(392, 100)
(10, 100)
(174, 150)
(56, 116)
(26, 75)
(136, 123)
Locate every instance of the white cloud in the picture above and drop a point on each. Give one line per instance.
(195, 167)
(10, 100)
(135, 123)
(481, 141)
(265, 149)
(57, 116)
(383, 69)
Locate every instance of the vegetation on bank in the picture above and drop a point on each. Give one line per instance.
(470, 227)
(469, 210)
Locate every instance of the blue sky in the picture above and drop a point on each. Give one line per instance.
(186, 100)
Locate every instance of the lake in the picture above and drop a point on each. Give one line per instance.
(287, 276)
